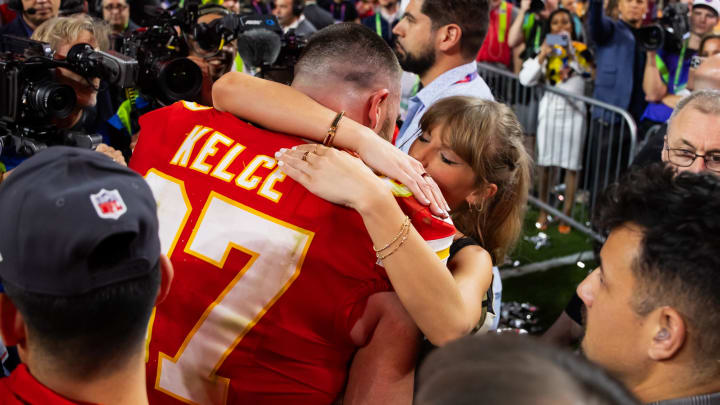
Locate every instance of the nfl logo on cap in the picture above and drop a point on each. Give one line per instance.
(108, 204)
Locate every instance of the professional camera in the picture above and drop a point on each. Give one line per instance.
(670, 32)
(30, 97)
(166, 74)
(260, 42)
(282, 69)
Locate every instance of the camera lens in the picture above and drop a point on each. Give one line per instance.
(651, 38)
(179, 79)
(51, 99)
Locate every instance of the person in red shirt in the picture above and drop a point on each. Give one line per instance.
(495, 48)
(81, 269)
(275, 289)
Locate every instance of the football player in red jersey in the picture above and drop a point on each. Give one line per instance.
(274, 288)
(472, 149)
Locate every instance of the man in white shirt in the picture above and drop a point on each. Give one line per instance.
(290, 16)
(439, 40)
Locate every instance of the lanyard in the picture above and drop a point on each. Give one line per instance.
(416, 87)
(502, 22)
(342, 11)
(257, 7)
(467, 79)
(665, 73)
(679, 66)
(378, 26)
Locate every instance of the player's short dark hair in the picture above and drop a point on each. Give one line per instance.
(90, 334)
(512, 369)
(473, 17)
(361, 54)
(678, 263)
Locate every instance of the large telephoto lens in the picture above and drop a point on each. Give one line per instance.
(178, 79)
(51, 99)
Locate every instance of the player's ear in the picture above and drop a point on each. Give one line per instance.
(377, 110)
(12, 324)
(167, 273)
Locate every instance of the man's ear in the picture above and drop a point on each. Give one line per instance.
(448, 37)
(667, 334)
(377, 109)
(167, 273)
(12, 324)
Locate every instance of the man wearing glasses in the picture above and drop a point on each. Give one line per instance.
(117, 14)
(692, 142)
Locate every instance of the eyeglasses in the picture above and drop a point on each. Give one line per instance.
(118, 7)
(685, 158)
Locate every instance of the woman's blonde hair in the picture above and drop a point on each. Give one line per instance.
(488, 136)
(62, 30)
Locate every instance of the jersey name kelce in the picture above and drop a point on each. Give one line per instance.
(269, 279)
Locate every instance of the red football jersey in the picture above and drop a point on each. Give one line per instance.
(269, 279)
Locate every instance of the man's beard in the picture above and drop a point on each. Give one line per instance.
(418, 64)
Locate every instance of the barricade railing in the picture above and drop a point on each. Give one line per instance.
(580, 145)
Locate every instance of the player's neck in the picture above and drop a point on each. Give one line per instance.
(125, 386)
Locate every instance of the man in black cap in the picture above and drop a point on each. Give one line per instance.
(81, 267)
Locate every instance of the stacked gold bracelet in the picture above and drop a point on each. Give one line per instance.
(404, 231)
(333, 130)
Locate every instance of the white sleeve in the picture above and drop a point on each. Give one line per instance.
(531, 72)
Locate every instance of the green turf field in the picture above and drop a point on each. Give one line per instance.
(551, 289)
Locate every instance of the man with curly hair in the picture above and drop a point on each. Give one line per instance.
(653, 311)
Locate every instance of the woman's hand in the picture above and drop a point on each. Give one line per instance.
(390, 161)
(333, 175)
(545, 50)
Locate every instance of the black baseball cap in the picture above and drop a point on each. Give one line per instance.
(72, 220)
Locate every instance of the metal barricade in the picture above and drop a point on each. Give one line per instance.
(580, 145)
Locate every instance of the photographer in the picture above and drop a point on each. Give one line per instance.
(667, 70)
(89, 114)
(92, 108)
(212, 64)
(620, 57)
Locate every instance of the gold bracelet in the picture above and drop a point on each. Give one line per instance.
(399, 245)
(405, 225)
(333, 129)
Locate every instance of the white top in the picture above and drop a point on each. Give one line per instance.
(460, 81)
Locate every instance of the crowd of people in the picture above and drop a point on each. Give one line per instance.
(316, 241)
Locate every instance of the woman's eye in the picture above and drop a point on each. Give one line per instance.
(446, 160)
(422, 138)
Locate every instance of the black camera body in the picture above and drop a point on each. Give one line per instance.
(31, 98)
(283, 68)
(165, 72)
(670, 32)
